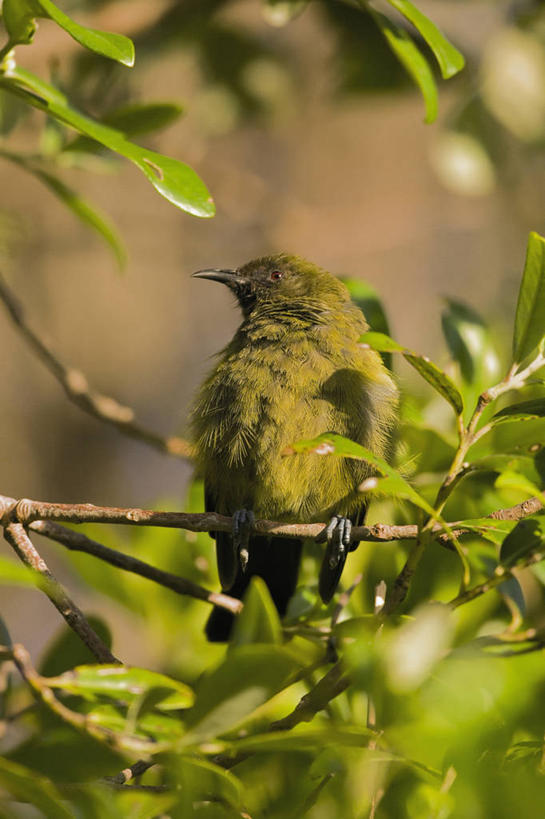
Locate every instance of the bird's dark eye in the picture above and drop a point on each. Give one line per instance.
(276, 274)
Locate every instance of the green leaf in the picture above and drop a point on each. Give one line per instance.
(174, 180)
(85, 212)
(411, 58)
(123, 683)
(304, 738)
(25, 784)
(196, 780)
(248, 676)
(470, 344)
(527, 537)
(20, 15)
(449, 58)
(259, 621)
(439, 380)
(133, 120)
(521, 411)
(16, 574)
(509, 479)
(529, 329)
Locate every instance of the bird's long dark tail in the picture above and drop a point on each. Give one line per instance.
(276, 560)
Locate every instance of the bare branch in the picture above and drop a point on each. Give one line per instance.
(78, 390)
(17, 537)
(77, 542)
(27, 511)
(318, 698)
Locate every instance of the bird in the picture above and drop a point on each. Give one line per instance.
(293, 370)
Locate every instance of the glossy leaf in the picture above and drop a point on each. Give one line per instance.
(20, 15)
(133, 120)
(259, 621)
(248, 676)
(412, 59)
(529, 329)
(449, 58)
(173, 179)
(527, 537)
(439, 380)
(534, 408)
(123, 683)
(25, 784)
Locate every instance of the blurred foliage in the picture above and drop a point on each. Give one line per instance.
(432, 707)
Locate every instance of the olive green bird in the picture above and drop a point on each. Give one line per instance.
(293, 370)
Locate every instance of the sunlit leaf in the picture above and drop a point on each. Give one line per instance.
(123, 683)
(20, 15)
(439, 380)
(529, 329)
(411, 58)
(522, 411)
(449, 58)
(248, 677)
(259, 621)
(368, 300)
(173, 179)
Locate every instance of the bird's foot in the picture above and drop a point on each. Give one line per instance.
(337, 534)
(243, 520)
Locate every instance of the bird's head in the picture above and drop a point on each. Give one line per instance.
(280, 279)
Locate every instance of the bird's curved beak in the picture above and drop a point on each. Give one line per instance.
(229, 277)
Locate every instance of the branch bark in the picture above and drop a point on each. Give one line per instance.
(17, 537)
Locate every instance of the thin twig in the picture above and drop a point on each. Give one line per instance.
(318, 698)
(78, 390)
(77, 542)
(17, 537)
(137, 769)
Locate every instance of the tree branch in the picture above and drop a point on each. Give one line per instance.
(17, 537)
(78, 390)
(318, 698)
(77, 542)
(27, 511)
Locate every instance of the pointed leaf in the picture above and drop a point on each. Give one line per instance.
(123, 683)
(439, 380)
(411, 58)
(521, 411)
(259, 621)
(527, 537)
(530, 316)
(368, 300)
(20, 15)
(173, 179)
(248, 676)
(449, 58)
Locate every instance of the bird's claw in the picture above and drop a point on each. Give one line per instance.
(243, 520)
(337, 534)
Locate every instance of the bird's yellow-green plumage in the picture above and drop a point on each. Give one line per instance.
(293, 370)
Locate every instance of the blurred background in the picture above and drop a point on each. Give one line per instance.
(311, 140)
